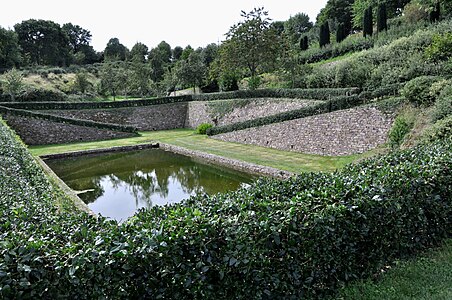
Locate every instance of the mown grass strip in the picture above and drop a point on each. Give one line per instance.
(427, 277)
(186, 138)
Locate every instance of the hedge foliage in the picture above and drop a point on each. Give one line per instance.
(317, 94)
(95, 105)
(292, 239)
(58, 119)
(36, 95)
(334, 104)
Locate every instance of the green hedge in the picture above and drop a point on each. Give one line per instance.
(319, 94)
(96, 105)
(58, 119)
(292, 239)
(316, 94)
(334, 104)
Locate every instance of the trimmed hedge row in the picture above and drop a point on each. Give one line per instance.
(318, 94)
(334, 104)
(58, 119)
(293, 239)
(36, 95)
(96, 105)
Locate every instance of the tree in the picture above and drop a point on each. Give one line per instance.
(110, 79)
(81, 82)
(295, 26)
(340, 33)
(251, 44)
(368, 24)
(177, 53)
(382, 18)
(304, 43)
(190, 72)
(13, 83)
(393, 9)
(10, 52)
(115, 50)
(324, 34)
(337, 12)
(43, 42)
(278, 26)
(77, 36)
(139, 52)
(435, 13)
(139, 79)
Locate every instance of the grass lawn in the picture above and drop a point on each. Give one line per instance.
(284, 160)
(427, 277)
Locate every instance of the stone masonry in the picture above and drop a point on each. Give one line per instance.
(153, 117)
(41, 132)
(343, 132)
(202, 112)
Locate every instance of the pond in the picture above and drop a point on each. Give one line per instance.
(116, 185)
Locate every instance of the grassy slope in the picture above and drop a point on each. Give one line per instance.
(428, 277)
(284, 160)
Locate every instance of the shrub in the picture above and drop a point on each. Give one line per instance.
(442, 108)
(401, 127)
(41, 95)
(417, 90)
(441, 47)
(202, 128)
(441, 130)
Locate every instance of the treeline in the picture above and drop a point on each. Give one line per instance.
(278, 47)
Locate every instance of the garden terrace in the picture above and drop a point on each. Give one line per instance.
(303, 237)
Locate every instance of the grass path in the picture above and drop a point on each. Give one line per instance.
(284, 160)
(426, 277)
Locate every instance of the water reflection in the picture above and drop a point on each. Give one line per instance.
(117, 184)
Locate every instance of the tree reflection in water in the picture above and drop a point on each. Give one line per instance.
(144, 177)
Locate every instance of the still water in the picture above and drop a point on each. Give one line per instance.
(116, 185)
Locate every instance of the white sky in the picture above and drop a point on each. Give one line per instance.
(178, 22)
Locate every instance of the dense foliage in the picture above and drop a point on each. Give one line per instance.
(299, 238)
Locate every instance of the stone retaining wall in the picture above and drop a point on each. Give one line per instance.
(42, 132)
(342, 132)
(146, 118)
(224, 112)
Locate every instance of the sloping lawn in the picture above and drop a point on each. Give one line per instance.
(284, 160)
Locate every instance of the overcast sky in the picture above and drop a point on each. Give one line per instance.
(178, 22)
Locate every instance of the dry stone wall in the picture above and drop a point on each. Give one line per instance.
(154, 117)
(342, 132)
(41, 132)
(224, 112)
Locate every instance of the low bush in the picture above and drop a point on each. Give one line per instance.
(417, 91)
(441, 130)
(300, 238)
(401, 127)
(202, 128)
(41, 95)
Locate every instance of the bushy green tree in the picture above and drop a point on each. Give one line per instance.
(251, 44)
(10, 52)
(337, 12)
(81, 82)
(43, 42)
(111, 80)
(115, 50)
(139, 52)
(13, 83)
(77, 36)
(295, 26)
(190, 72)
